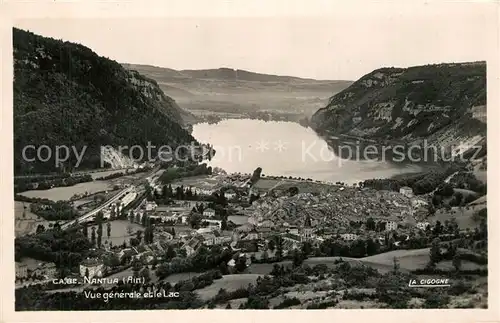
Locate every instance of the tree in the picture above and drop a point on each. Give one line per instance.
(435, 252)
(298, 258)
(265, 256)
(241, 264)
(438, 228)
(170, 252)
(395, 265)
(144, 273)
(99, 218)
(134, 242)
(136, 267)
(138, 235)
(99, 229)
(370, 224)
(108, 227)
(40, 228)
(372, 247)
(279, 248)
(144, 220)
(483, 228)
(306, 249)
(458, 198)
(93, 237)
(228, 306)
(453, 226)
(271, 245)
(194, 220)
(457, 262)
(148, 234)
(111, 261)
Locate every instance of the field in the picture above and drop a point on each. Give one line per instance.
(265, 269)
(118, 231)
(201, 181)
(26, 224)
(408, 259)
(463, 217)
(229, 283)
(266, 184)
(480, 201)
(66, 193)
(238, 219)
(108, 172)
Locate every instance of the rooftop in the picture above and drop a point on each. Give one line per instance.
(90, 262)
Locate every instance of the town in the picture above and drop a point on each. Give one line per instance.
(164, 226)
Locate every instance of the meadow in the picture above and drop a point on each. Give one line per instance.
(26, 222)
(119, 231)
(66, 193)
(229, 283)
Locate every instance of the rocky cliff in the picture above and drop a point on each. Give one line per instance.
(65, 94)
(444, 103)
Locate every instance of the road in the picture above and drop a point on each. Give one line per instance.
(108, 203)
(100, 208)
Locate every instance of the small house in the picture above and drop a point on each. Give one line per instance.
(209, 213)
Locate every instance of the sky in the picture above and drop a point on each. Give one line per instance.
(337, 47)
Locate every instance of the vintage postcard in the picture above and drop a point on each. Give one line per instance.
(308, 157)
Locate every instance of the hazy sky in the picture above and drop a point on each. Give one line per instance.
(337, 47)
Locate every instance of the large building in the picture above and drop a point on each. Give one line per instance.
(213, 223)
(21, 270)
(349, 236)
(406, 191)
(391, 225)
(423, 225)
(151, 206)
(193, 245)
(127, 199)
(209, 213)
(94, 267)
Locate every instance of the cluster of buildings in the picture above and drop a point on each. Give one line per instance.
(96, 267)
(117, 207)
(45, 270)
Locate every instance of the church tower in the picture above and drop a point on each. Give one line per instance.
(307, 230)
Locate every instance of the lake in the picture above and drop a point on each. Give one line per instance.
(287, 149)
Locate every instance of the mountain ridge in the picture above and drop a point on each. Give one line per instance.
(227, 73)
(66, 94)
(444, 103)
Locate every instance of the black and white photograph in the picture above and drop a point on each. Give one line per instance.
(252, 163)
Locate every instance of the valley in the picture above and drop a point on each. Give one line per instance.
(274, 205)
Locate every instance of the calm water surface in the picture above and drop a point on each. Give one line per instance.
(288, 149)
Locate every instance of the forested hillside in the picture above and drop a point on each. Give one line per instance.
(65, 94)
(444, 103)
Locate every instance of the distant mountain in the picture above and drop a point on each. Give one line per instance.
(444, 103)
(65, 94)
(223, 74)
(241, 75)
(239, 93)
